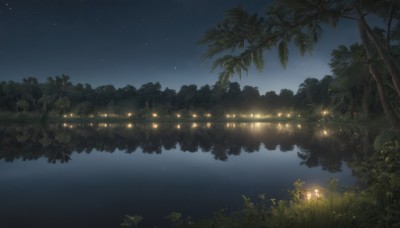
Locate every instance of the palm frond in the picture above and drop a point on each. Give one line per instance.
(283, 51)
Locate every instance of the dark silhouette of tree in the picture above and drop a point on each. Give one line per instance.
(245, 36)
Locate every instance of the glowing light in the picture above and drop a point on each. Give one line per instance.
(208, 125)
(316, 191)
(178, 126)
(65, 125)
(309, 195)
(228, 116)
(288, 115)
(194, 115)
(324, 113)
(279, 114)
(299, 126)
(258, 116)
(154, 126)
(154, 115)
(313, 195)
(233, 116)
(251, 115)
(178, 115)
(105, 115)
(129, 114)
(325, 132)
(129, 125)
(194, 125)
(208, 115)
(71, 114)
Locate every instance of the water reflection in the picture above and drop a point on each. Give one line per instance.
(319, 145)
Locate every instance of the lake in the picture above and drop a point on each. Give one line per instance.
(92, 174)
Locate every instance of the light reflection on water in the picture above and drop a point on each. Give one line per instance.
(95, 173)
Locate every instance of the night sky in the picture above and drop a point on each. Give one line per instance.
(122, 42)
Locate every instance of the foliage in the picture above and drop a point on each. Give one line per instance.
(132, 220)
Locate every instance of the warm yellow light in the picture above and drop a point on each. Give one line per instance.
(309, 196)
(65, 125)
(105, 115)
(194, 115)
(65, 116)
(208, 125)
(251, 115)
(129, 114)
(258, 116)
(178, 115)
(325, 132)
(313, 195)
(178, 126)
(233, 116)
(299, 126)
(194, 125)
(129, 125)
(154, 126)
(228, 116)
(71, 115)
(324, 113)
(288, 115)
(279, 114)
(154, 115)
(208, 115)
(316, 191)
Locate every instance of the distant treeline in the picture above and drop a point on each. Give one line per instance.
(350, 92)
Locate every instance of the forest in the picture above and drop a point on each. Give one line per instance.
(349, 93)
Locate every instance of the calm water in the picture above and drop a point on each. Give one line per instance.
(91, 175)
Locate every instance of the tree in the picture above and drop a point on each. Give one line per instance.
(62, 104)
(186, 96)
(286, 98)
(271, 100)
(22, 104)
(244, 36)
(310, 89)
(149, 94)
(352, 86)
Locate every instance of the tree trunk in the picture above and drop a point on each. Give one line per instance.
(387, 107)
(388, 60)
(365, 100)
